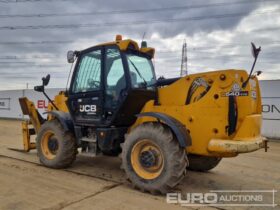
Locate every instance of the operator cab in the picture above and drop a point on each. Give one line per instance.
(111, 83)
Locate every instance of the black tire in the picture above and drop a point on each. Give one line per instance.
(202, 163)
(66, 145)
(175, 160)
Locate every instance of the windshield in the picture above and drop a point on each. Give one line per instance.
(141, 71)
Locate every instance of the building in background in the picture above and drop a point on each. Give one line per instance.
(9, 104)
(270, 89)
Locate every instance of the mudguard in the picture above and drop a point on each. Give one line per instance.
(64, 118)
(176, 126)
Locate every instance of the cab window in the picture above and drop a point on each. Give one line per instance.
(88, 76)
(115, 77)
(141, 71)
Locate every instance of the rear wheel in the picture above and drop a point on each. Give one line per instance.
(153, 159)
(56, 147)
(202, 163)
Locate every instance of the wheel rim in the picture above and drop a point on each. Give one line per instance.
(49, 145)
(147, 159)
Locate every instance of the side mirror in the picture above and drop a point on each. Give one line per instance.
(258, 73)
(70, 56)
(39, 88)
(46, 80)
(255, 51)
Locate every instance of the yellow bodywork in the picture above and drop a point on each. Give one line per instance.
(205, 116)
(128, 43)
(28, 108)
(26, 137)
(60, 102)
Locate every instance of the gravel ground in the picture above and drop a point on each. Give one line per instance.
(98, 183)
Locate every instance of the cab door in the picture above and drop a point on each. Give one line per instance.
(115, 81)
(85, 100)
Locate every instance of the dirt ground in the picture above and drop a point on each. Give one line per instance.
(98, 183)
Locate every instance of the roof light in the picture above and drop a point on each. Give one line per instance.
(144, 44)
(118, 38)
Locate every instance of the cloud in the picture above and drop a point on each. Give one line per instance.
(213, 43)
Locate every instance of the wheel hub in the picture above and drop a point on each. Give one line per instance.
(53, 145)
(49, 145)
(148, 158)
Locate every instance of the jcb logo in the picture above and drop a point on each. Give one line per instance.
(88, 108)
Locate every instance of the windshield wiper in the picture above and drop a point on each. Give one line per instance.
(138, 72)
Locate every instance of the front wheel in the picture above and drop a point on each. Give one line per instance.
(56, 147)
(202, 163)
(153, 159)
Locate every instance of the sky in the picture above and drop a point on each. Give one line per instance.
(35, 35)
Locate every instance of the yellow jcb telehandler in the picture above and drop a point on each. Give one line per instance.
(161, 128)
